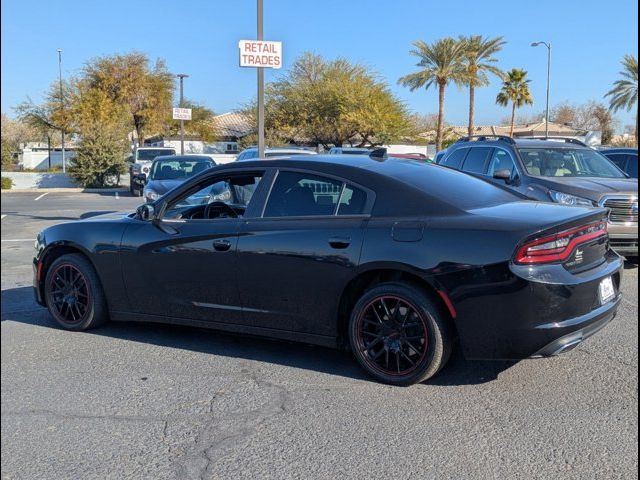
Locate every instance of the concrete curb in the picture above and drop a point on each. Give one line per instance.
(66, 190)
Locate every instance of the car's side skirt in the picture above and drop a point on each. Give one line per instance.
(321, 340)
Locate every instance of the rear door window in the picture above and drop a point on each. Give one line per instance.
(301, 194)
(476, 160)
(297, 194)
(455, 159)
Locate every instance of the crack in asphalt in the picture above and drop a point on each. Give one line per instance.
(219, 434)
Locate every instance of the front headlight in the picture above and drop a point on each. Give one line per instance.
(566, 199)
(151, 195)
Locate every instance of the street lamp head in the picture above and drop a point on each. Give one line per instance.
(182, 75)
(535, 44)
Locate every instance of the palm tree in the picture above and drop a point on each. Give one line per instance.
(624, 93)
(440, 63)
(515, 90)
(479, 61)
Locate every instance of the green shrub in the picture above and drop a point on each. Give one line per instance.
(7, 183)
(100, 158)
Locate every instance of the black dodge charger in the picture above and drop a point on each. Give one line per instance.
(395, 259)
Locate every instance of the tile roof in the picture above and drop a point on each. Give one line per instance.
(233, 124)
(527, 129)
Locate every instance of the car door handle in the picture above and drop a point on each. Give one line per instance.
(339, 242)
(221, 245)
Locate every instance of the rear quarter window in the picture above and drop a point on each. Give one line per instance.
(455, 159)
(476, 160)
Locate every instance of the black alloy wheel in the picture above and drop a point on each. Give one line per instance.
(73, 293)
(399, 335)
(69, 294)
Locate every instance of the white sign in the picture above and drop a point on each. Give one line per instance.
(254, 53)
(182, 114)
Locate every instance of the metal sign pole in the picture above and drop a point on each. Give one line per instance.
(182, 76)
(260, 88)
(64, 163)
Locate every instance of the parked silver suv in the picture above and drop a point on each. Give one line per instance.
(560, 170)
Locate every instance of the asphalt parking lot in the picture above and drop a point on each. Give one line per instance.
(149, 401)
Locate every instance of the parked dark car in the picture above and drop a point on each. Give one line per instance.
(564, 171)
(625, 158)
(392, 258)
(169, 171)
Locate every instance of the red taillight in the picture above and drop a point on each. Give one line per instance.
(558, 247)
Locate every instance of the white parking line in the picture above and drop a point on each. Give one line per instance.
(19, 240)
(38, 198)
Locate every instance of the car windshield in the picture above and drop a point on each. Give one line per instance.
(178, 169)
(568, 162)
(153, 153)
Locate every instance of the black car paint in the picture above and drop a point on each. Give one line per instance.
(284, 278)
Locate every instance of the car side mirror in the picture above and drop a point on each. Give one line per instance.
(146, 212)
(503, 174)
(130, 159)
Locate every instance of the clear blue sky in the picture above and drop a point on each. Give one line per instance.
(199, 37)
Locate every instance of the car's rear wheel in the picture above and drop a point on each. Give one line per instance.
(73, 293)
(399, 335)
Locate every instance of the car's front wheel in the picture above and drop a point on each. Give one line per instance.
(73, 293)
(399, 335)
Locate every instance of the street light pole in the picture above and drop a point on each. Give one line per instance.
(182, 76)
(260, 86)
(548, 45)
(64, 163)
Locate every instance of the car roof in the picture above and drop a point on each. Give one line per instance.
(335, 163)
(183, 157)
(281, 150)
(351, 149)
(619, 150)
(521, 143)
(155, 148)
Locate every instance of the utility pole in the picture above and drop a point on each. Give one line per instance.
(260, 86)
(64, 163)
(548, 45)
(182, 76)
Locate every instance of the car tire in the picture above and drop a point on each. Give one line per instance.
(399, 334)
(73, 293)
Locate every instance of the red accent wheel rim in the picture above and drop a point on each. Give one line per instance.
(392, 335)
(69, 294)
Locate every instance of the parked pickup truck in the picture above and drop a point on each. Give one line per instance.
(140, 165)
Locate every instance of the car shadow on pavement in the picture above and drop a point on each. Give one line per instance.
(18, 305)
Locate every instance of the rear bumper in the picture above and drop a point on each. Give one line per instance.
(579, 328)
(516, 312)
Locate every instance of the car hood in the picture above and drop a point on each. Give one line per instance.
(104, 217)
(163, 186)
(592, 188)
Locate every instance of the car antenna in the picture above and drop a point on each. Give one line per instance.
(378, 154)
